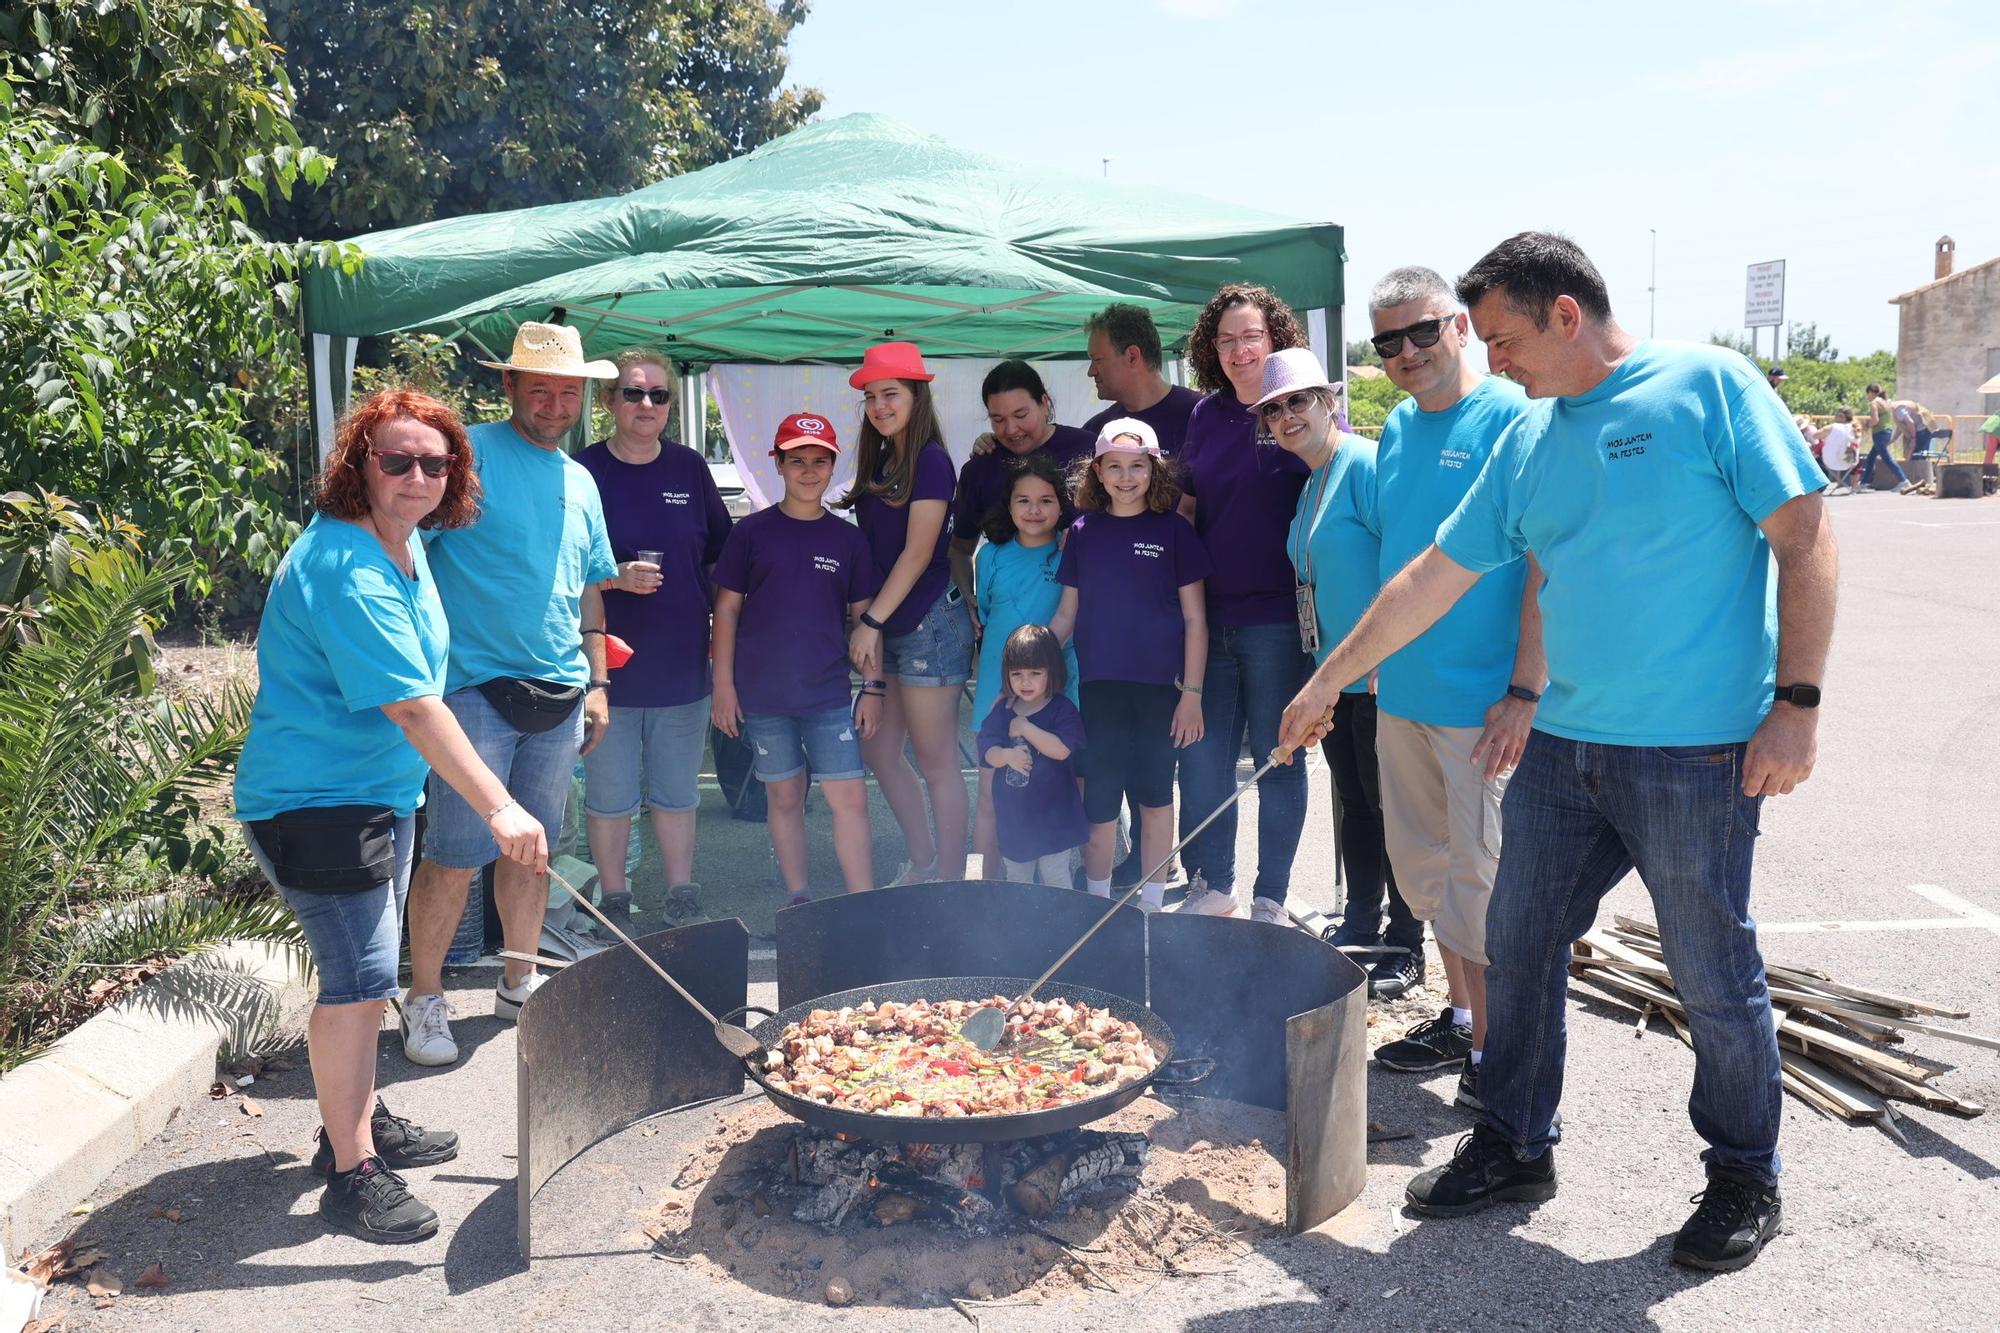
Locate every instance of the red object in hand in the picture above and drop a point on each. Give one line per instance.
(617, 652)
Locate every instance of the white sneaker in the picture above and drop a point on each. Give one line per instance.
(911, 873)
(1263, 909)
(427, 1030)
(1208, 902)
(507, 1000)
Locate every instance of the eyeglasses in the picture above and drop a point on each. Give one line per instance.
(397, 463)
(657, 397)
(1423, 333)
(1250, 338)
(1295, 403)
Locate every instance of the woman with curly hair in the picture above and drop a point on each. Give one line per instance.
(1241, 493)
(349, 719)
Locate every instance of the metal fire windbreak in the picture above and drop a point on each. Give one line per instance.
(1282, 1015)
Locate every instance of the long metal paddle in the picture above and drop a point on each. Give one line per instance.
(736, 1040)
(985, 1028)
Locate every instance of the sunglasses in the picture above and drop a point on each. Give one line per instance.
(397, 463)
(657, 397)
(1423, 333)
(1295, 403)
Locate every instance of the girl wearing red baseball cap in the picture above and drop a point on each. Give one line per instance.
(917, 634)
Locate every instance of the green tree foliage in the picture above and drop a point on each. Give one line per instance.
(142, 315)
(1804, 342)
(441, 109)
(1369, 401)
(197, 80)
(94, 779)
(1361, 352)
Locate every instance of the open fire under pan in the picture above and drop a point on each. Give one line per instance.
(1280, 1015)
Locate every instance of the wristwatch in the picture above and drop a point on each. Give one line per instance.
(598, 685)
(1522, 692)
(1799, 696)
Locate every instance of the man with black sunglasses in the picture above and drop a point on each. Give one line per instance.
(1456, 703)
(526, 677)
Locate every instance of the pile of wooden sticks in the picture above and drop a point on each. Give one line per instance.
(1840, 1044)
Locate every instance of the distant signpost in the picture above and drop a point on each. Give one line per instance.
(1764, 301)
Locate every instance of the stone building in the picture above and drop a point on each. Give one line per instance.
(1948, 337)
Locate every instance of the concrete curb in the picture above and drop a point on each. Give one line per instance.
(75, 1115)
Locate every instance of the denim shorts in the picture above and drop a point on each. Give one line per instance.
(784, 744)
(938, 651)
(536, 767)
(356, 938)
(662, 744)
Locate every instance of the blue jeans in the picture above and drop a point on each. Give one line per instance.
(1253, 672)
(536, 766)
(661, 745)
(1881, 440)
(356, 938)
(1576, 817)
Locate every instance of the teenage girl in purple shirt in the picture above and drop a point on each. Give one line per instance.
(916, 638)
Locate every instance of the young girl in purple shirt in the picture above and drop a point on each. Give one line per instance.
(917, 637)
(1032, 739)
(786, 582)
(1132, 573)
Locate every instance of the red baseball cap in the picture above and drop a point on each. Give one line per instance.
(804, 428)
(890, 361)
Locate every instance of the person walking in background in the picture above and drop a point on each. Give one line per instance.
(788, 579)
(349, 719)
(1015, 573)
(527, 673)
(1655, 486)
(1241, 499)
(1132, 571)
(666, 523)
(1032, 739)
(916, 635)
(1882, 430)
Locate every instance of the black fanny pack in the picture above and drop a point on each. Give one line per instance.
(531, 705)
(330, 848)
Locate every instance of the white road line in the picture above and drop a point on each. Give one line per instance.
(1969, 916)
(1951, 902)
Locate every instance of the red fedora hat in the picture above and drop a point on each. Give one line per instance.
(890, 361)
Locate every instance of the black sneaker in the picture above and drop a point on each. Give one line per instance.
(1395, 975)
(398, 1143)
(1484, 1171)
(1350, 936)
(1468, 1087)
(1432, 1044)
(1734, 1217)
(372, 1202)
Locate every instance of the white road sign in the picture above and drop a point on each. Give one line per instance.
(1764, 295)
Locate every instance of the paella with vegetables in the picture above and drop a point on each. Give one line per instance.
(908, 1059)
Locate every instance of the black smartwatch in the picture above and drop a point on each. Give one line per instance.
(597, 685)
(1799, 696)
(870, 621)
(1522, 692)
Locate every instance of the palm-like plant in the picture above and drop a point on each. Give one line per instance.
(96, 766)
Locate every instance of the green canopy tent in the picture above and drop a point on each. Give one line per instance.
(836, 236)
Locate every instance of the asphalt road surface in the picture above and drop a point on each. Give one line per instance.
(1894, 839)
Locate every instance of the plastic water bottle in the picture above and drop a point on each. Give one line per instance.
(1015, 777)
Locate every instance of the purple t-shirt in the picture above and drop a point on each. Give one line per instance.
(887, 529)
(982, 482)
(1245, 494)
(1128, 574)
(797, 577)
(1168, 418)
(669, 505)
(1045, 816)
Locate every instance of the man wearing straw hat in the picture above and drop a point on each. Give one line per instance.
(526, 676)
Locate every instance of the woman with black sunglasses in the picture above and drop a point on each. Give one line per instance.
(667, 524)
(349, 720)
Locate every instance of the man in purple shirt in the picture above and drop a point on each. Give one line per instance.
(1125, 362)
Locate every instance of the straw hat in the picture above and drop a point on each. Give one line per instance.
(552, 349)
(1287, 372)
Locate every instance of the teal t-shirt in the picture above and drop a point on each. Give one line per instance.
(1335, 542)
(343, 633)
(1015, 585)
(1451, 673)
(1641, 500)
(513, 581)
